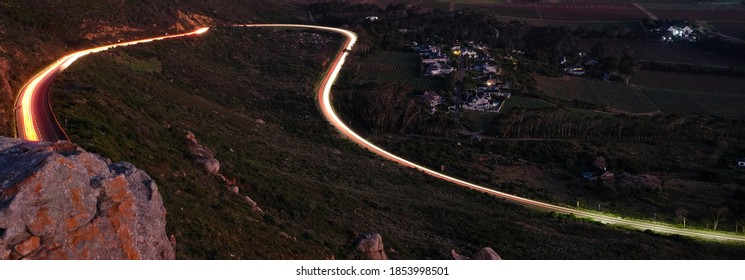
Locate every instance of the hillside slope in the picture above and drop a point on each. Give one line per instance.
(34, 33)
(247, 96)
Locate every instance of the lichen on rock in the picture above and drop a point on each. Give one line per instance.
(58, 201)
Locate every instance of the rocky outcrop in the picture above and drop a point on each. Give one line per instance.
(58, 201)
(102, 30)
(191, 21)
(254, 206)
(212, 166)
(204, 156)
(371, 244)
(486, 253)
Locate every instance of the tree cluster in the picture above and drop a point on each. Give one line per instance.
(391, 109)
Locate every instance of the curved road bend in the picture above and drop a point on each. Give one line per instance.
(36, 122)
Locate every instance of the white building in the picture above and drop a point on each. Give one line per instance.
(438, 69)
(434, 59)
(481, 102)
(469, 53)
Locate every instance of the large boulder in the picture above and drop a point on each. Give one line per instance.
(371, 244)
(58, 201)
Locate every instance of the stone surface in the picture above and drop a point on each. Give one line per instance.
(457, 256)
(254, 205)
(486, 253)
(58, 201)
(371, 244)
(204, 156)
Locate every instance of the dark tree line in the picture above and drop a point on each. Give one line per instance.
(390, 109)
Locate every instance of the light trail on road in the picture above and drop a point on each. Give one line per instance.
(324, 102)
(29, 130)
(28, 106)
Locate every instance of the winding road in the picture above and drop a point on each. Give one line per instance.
(36, 122)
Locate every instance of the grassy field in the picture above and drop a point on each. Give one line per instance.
(726, 105)
(562, 11)
(690, 82)
(657, 91)
(435, 4)
(659, 51)
(681, 101)
(670, 101)
(548, 170)
(698, 12)
(522, 102)
(731, 28)
(694, 6)
(399, 68)
(610, 95)
(381, 3)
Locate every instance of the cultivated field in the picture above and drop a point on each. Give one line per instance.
(522, 102)
(697, 12)
(690, 82)
(731, 28)
(727, 105)
(519, 11)
(611, 95)
(400, 68)
(381, 3)
(670, 101)
(565, 11)
(680, 101)
(664, 52)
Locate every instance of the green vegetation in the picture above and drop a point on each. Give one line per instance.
(35, 33)
(735, 29)
(248, 95)
(679, 101)
(435, 4)
(314, 199)
(611, 95)
(726, 105)
(476, 121)
(548, 170)
(522, 102)
(149, 65)
(670, 101)
(397, 69)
